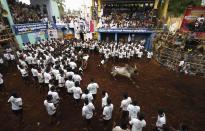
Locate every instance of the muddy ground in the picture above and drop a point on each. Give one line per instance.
(182, 97)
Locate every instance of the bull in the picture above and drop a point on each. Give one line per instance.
(126, 71)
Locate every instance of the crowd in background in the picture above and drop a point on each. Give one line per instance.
(128, 17)
(199, 24)
(23, 13)
(182, 52)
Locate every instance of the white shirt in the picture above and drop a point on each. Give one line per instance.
(7, 56)
(16, 103)
(137, 125)
(34, 72)
(69, 84)
(12, 57)
(181, 63)
(67, 74)
(73, 65)
(24, 73)
(77, 77)
(51, 109)
(125, 103)
(29, 60)
(133, 111)
(161, 121)
(47, 77)
(140, 54)
(87, 111)
(1, 61)
(61, 81)
(76, 92)
(88, 96)
(23, 63)
(40, 78)
(120, 55)
(149, 55)
(55, 97)
(107, 112)
(1, 80)
(92, 87)
(104, 100)
(118, 128)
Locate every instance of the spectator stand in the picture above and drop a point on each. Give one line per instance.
(169, 51)
(6, 35)
(35, 28)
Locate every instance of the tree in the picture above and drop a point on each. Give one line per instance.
(61, 7)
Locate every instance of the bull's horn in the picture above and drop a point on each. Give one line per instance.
(135, 66)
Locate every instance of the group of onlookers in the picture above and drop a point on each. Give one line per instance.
(23, 13)
(128, 17)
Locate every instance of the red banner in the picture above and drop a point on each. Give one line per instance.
(92, 28)
(194, 21)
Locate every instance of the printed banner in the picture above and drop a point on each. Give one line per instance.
(194, 21)
(92, 28)
(125, 30)
(30, 27)
(53, 34)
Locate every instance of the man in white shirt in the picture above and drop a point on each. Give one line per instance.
(16, 105)
(69, 84)
(77, 77)
(72, 64)
(40, 79)
(181, 65)
(138, 123)
(47, 77)
(149, 54)
(139, 55)
(24, 73)
(107, 114)
(161, 120)
(55, 97)
(1, 83)
(87, 95)
(92, 87)
(76, 93)
(124, 104)
(87, 112)
(104, 98)
(34, 72)
(51, 109)
(133, 109)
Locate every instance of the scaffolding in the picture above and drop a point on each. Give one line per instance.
(170, 57)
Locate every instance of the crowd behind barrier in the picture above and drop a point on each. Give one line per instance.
(181, 52)
(23, 13)
(129, 17)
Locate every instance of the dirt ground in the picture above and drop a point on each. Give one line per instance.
(182, 98)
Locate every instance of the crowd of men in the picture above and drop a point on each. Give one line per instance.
(128, 17)
(199, 24)
(184, 48)
(23, 13)
(57, 67)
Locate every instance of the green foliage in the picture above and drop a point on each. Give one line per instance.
(177, 7)
(61, 6)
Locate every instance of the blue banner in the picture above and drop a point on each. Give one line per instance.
(30, 27)
(124, 30)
